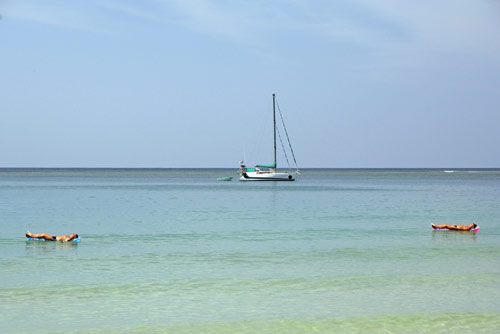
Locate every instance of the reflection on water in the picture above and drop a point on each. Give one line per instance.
(42, 248)
(452, 236)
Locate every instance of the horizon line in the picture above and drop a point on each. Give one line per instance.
(305, 168)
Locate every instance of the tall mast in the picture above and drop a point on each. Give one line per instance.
(274, 121)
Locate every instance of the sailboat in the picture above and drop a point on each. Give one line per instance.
(270, 172)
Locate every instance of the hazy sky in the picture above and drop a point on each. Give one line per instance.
(180, 83)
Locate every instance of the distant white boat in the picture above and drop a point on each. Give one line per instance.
(269, 172)
(449, 171)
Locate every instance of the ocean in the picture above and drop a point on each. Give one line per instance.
(176, 251)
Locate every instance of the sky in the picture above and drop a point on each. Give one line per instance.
(189, 83)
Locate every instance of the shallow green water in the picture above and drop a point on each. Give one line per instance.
(176, 251)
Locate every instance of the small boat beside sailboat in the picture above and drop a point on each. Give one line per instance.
(270, 172)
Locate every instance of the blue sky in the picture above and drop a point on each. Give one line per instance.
(179, 83)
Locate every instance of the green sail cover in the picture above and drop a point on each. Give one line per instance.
(267, 166)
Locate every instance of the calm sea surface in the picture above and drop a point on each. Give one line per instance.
(176, 251)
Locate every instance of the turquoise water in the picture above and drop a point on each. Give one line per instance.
(176, 251)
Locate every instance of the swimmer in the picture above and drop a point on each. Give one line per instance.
(48, 237)
(455, 227)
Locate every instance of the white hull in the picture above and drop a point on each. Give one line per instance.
(266, 176)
